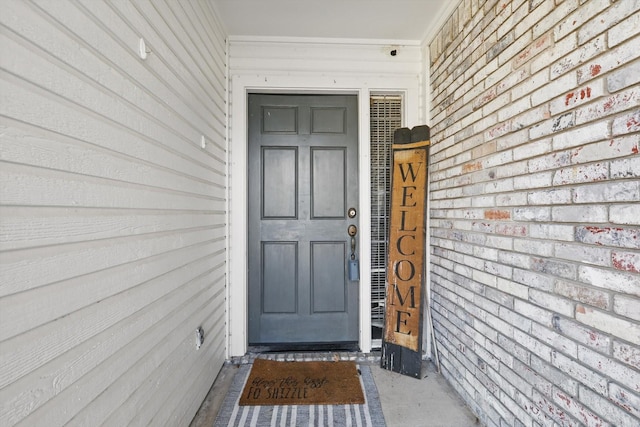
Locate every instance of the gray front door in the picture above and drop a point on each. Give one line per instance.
(303, 179)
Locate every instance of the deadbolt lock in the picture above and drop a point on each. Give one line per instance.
(352, 212)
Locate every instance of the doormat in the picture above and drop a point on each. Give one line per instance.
(302, 383)
(367, 414)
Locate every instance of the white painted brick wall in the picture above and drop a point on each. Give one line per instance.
(536, 165)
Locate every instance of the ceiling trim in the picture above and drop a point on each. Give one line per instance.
(323, 40)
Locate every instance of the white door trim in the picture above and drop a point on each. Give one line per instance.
(241, 86)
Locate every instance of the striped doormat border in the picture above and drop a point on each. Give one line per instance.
(368, 414)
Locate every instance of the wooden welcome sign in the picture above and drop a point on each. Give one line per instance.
(402, 337)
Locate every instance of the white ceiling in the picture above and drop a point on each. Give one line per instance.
(352, 19)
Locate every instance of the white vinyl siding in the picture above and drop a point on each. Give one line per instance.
(112, 215)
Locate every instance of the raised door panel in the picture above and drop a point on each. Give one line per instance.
(327, 281)
(279, 277)
(279, 182)
(328, 186)
(276, 119)
(328, 120)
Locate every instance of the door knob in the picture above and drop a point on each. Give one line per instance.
(353, 230)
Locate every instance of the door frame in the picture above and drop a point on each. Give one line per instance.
(237, 179)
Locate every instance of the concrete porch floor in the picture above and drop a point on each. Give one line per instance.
(406, 402)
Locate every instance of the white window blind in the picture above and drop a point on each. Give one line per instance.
(386, 117)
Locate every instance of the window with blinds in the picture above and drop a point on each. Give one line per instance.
(386, 117)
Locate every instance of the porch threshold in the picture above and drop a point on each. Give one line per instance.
(302, 356)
